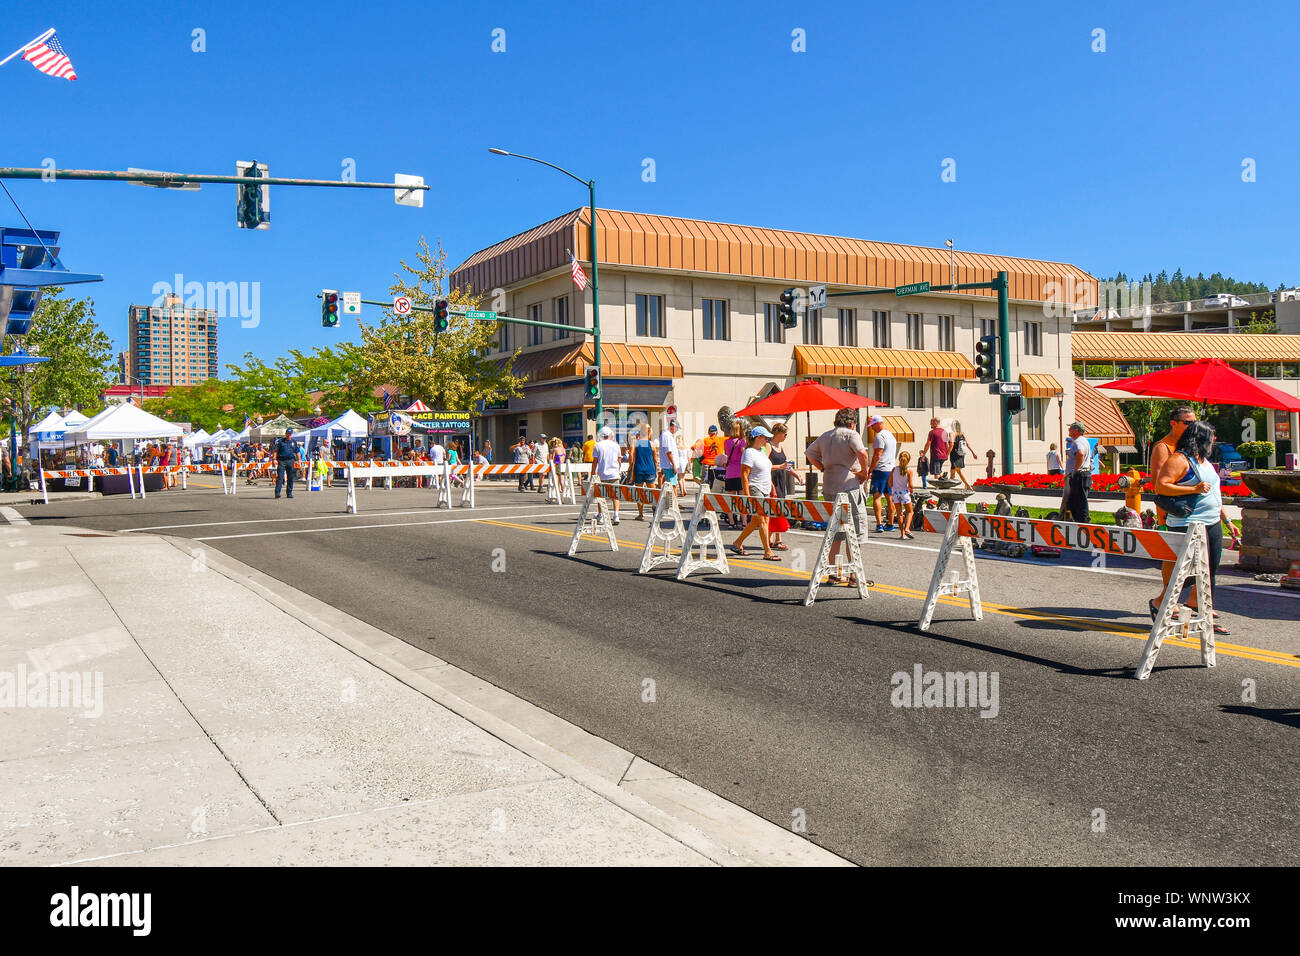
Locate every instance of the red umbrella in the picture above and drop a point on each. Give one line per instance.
(1209, 380)
(806, 396)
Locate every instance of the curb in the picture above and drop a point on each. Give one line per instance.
(721, 831)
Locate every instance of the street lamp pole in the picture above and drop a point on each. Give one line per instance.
(595, 271)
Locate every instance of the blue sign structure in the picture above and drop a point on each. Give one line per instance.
(29, 260)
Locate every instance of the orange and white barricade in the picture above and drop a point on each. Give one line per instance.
(836, 514)
(91, 473)
(602, 494)
(389, 470)
(1189, 552)
(561, 484)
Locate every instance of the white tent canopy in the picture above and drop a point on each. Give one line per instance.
(196, 438)
(347, 425)
(122, 421)
(74, 418)
(53, 422)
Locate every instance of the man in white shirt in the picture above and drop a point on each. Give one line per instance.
(606, 461)
(1078, 477)
(670, 455)
(884, 457)
(539, 458)
(437, 453)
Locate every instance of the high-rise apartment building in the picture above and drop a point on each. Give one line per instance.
(172, 345)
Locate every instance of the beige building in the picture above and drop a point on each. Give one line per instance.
(689, 323)
(170, 344)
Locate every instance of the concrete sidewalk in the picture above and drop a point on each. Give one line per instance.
(165, 705)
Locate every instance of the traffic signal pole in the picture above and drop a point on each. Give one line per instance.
(1004, 374)
(178, 180)
(496, 317)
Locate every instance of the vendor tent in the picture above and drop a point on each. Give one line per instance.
(196, 438)
(122, 421)
(74, 418)
(48, 429)
(348, 425)
(273, 429)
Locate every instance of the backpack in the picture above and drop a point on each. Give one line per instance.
(959, 446)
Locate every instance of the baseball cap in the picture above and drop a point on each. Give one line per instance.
(875, 420)
(543, 434)
(713, 429)
(672, 423)
(759, 430)
(607, 432)
(1079, 425)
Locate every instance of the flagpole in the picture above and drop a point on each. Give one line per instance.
(27, 46)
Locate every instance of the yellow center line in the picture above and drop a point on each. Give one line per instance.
(1263, 654)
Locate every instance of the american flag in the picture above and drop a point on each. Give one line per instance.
(49, 57)
(389, 400)
(579, 277)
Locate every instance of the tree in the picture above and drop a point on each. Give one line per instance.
(80, 354)
(210, 405)
(1149, 418)
(446, 370)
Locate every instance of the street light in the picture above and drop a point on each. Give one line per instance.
(952, 262)
(595, 257)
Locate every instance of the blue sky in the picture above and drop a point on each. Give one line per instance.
(1128, 159)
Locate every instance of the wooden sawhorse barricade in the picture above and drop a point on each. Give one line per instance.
(700, 542)
(131, 471)
(1187, 550)
(441, 475)
(563, 480)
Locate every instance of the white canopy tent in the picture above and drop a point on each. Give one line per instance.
(195, 439)
(74, 418)
(348, 425)
(124, 421)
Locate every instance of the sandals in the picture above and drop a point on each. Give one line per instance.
(737, 550)
(771, 557)
(781, 547)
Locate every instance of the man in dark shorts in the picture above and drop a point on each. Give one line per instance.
(937, 443)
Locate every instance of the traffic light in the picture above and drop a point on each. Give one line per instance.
(986, 358)
(592, 379)
(1015, 404)
(786, 313)
(440, 315)
(329, 308)
(252, 206)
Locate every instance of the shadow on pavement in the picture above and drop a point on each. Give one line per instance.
(1286, 716)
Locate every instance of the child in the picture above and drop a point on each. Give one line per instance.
(900, 493)
(923, 469)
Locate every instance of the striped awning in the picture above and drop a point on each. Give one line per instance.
(881, 363)
(617, 360)
(1182, 347)
(1040, 385)
(897, 424)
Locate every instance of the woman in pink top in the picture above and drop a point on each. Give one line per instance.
(734, 448)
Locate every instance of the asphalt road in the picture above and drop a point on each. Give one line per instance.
(787, 710)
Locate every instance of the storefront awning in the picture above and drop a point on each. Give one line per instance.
(617, 360)
(897, 424)
(1040, 385)
(880, 363)
(1100, 415)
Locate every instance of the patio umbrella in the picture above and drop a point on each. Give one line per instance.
(1209, 380)
(808, 397)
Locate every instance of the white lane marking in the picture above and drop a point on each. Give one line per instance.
(26, 599)
(361, 527)
(26, 565)
(335, 517)
(13, 517)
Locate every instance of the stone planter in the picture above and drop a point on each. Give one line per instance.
(1274, 485)
(1270, 535)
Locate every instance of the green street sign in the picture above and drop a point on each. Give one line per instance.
(480, 314)
(916, 288)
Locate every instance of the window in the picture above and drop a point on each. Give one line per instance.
(773, 331)
(988, 327)
(812, 327)
(849, 385)
(879, 329)
(650, 316)
(716, 325)
(1033, 338)
(1034, 407)
(948, 394)
(947, 333)
(914, 336)
(883, 392)
(1267, 370)
(916, 394)
(848, 326)
(560, 315)
(535, 333)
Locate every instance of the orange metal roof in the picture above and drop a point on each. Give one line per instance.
(694, 245)
(1184, 346)
(1040, 385)
(898, 425)
(617, 360)
(1100, 415)
(880, 363)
